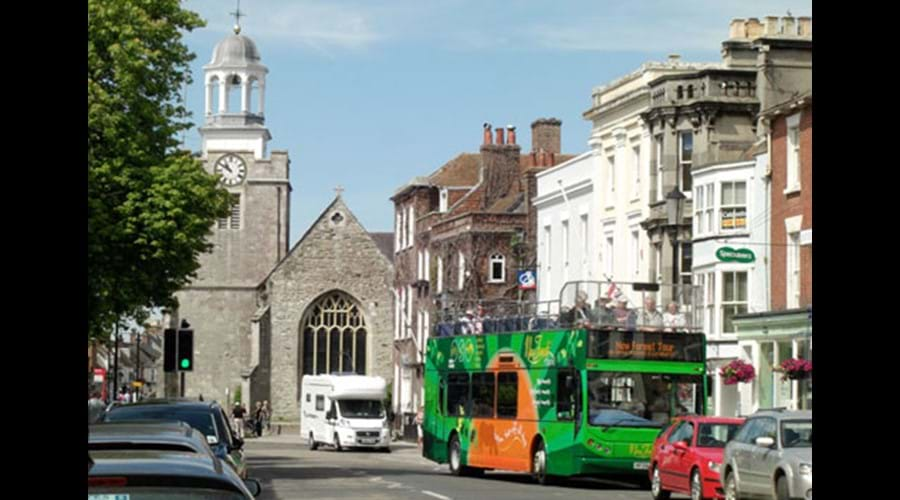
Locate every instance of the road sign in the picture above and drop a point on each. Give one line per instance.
(527, 280)
(137, 383)
(742, 255)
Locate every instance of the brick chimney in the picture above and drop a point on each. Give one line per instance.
(499, 168)
(737, 30)
(487, 134)
(787, 26)
(805, 26)
(771, 25)
(545, 135)
(754, 28)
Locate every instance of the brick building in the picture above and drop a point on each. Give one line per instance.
(461, 233)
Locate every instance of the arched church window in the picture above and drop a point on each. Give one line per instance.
(334, 336)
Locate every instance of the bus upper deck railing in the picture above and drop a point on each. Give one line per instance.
(582, 304)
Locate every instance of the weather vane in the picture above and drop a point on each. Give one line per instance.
(237, 18)
(339, 189)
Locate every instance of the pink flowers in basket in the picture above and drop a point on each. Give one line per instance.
(796, 369)
(737, 371)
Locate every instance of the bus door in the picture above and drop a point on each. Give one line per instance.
(435, 444)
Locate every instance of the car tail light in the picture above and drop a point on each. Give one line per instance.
(104, 482)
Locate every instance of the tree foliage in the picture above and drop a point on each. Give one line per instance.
(150, 206)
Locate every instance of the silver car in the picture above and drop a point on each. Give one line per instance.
(770, 457)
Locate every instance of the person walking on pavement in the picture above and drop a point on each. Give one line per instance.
(267, 417)
(95, 408)
(237, 414)
(258, 415)
(420, 418)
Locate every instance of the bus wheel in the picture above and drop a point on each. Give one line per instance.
(539, 465)
(455, 455)
(656, 490)
(337, 442)
(313, 445)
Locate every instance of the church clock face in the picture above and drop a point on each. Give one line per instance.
(232, 169)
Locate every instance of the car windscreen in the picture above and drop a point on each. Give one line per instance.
(202, 420)
(716, 435)
(361, 408)
(631, 399)
(796, 433)
(161, 493)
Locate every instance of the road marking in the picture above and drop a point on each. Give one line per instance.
(431, 493)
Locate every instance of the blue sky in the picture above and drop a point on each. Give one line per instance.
(368, 94)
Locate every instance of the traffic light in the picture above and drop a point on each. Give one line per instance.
(185, 360)
(169, 350)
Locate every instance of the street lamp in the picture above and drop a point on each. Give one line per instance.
(674, 207)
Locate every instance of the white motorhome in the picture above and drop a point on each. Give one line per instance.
(344, 411)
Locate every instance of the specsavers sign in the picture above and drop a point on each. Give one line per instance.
(742, 255)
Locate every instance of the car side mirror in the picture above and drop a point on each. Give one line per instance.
(765, 441)
(681, 445)
(254, 486)
(238, 442)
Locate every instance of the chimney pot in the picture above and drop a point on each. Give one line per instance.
(787, 26)
(512, 134)
(805, 26)
(487, 134)
(500, 135)
(736, 30)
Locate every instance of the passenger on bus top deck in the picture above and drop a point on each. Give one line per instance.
(582, 310)
(650, 318)
(672, 318)
(623, 315)
(602, 313)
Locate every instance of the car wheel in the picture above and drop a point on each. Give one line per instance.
(539, 465)
(656, 489)
(455, 455)
(730, 487)
(313, 445)
(337, 442)
(696, 486)
(781, 489)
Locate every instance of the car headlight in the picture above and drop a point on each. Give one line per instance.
(806, 469)
(714, 466)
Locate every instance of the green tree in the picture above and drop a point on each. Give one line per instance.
(150, 206)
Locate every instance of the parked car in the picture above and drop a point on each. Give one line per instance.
(207, 417)
(687, 457)
(161, 435)
(770, 457)
(157, 474)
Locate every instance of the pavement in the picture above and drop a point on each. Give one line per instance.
(288, 469)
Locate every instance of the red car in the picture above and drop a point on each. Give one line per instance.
(687, 457)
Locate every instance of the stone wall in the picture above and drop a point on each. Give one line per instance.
(336, 254)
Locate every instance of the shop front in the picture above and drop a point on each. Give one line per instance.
(769, 340)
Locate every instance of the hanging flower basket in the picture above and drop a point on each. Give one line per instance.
(737, 371)
(795, 369)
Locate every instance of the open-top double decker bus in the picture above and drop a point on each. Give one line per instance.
(584, 395)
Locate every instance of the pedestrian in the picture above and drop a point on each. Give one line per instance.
(268, 416)
(237, 414)
(420, 419)
(95, 408)
(257, 415)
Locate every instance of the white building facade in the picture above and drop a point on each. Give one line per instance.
(729, 220)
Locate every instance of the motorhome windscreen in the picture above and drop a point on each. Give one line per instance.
(361, 408)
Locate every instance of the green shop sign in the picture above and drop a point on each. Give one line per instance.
(742, 255)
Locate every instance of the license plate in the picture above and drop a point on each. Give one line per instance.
(368, 441)
(641, 465)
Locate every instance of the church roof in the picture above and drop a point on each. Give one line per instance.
(385, 243)
(235, 50)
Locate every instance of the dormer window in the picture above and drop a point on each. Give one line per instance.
(444, 200)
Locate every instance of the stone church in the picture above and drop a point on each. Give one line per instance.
(264, 315)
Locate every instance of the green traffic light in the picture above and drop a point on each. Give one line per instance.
(185, 363)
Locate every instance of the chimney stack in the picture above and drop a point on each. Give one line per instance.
(487, 134)
(736, 29)
(545, 135)
(805, 26)
(754, 28)
(500, 135)
(787, 26)
(512, 134)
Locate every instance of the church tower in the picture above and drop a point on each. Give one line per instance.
(221, 302)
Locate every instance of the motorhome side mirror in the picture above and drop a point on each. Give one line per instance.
(330, 415)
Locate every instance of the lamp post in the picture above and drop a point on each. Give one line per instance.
(674, 207)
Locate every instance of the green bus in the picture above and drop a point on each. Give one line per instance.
(570, 391)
